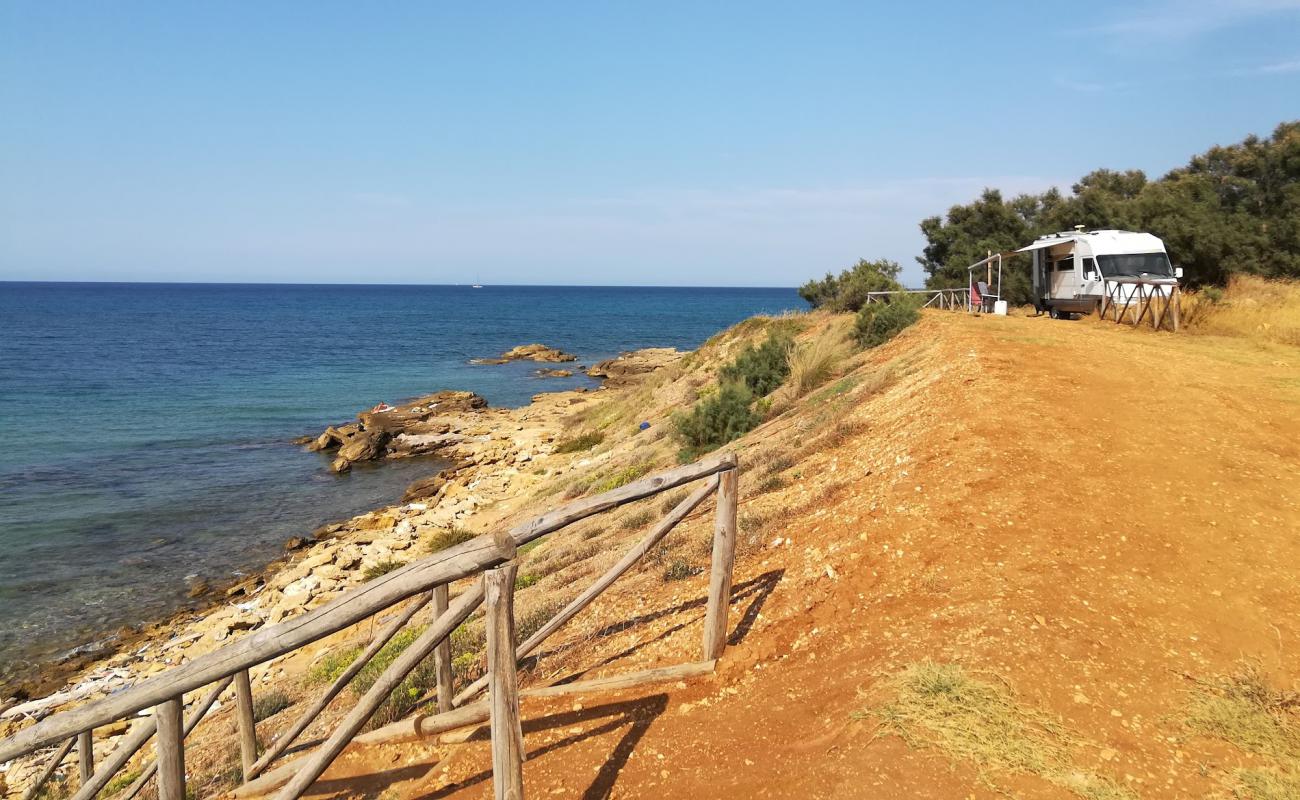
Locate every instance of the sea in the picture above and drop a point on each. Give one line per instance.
(146, 429)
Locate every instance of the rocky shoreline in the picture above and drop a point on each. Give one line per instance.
(495, 456)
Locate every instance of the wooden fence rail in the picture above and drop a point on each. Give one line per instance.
(489, 557)
(955, 299)
(1157, 299)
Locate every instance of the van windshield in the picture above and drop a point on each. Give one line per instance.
(1133, 265)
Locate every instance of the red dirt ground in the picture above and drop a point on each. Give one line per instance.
(1093, 514)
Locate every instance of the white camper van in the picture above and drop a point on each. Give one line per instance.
(1073, 270)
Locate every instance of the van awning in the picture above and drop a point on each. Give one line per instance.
(1043, 245)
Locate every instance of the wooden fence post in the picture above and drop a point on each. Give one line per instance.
(247, 723)
(503, 683)
(60, 754)
(724, 557)
(442, 653)
(85, 756)
(170, 749)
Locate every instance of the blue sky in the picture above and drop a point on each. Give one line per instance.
(606, 143)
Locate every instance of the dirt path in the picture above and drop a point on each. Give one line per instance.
(1087, 513)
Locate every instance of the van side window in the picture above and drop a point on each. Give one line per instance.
(1065, 266)
(1090, 267)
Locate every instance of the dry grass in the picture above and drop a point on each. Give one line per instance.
(814, 362)
(1264, 784)
(943, 706)
(1252, 307)
(1245, 711)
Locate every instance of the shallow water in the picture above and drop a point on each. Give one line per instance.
(144, 428)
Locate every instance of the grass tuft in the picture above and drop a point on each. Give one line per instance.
(580, 443)
(449, 537)
(943, 706)
(269, 703)
(637, 519)
(680, 569)
(381, 568)
(623, 477)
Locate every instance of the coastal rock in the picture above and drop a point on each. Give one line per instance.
(364, 446)
(530, 352)
(425, 487)
(548, 372)
(638, 362)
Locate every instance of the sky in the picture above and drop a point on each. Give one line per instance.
(655, 143)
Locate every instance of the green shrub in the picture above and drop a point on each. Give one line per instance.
(718, 419)
(449, 537)
(848, 292)
(877, 323)
(525, 579)
(761, 369)
(580, 443)
(329, 668)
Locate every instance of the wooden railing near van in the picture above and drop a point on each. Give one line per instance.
(491, 558)
(955, 299)
(1156, 299)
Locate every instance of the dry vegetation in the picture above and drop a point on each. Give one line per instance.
(944, 706)
(1251, 307)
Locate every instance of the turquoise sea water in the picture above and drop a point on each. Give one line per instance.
(144, 428)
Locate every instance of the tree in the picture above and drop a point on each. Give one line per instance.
(848, 292)
(1231, 209)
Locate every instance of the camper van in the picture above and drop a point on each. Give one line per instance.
(1073, 270)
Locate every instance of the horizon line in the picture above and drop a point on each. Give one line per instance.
(444, 285)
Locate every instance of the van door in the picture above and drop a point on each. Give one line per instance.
(1065, 281)
(1091, 284)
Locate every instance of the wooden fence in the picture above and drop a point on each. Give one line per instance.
(1156, 299)
(956, 299)
(421, 582)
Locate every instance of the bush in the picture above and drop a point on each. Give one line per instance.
(849, 291)
(761, 369)
(525, 579)
(717, 420)
(580, 443)
(877, 323)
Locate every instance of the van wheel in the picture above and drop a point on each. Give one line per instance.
(1053, 313)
